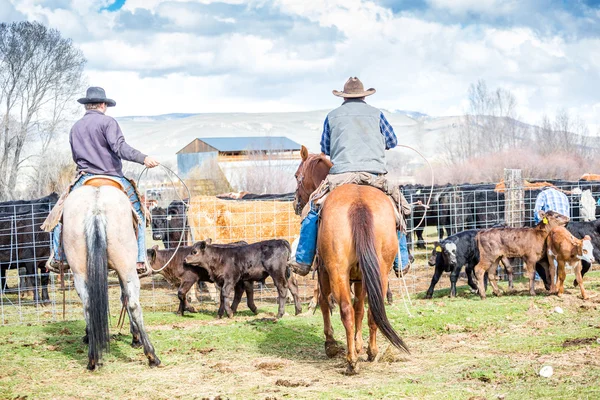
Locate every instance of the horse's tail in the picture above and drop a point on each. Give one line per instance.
(97, 284)
(361, 220)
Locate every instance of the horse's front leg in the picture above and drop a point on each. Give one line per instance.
(359, 312)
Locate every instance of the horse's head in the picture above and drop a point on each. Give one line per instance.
(311, 172)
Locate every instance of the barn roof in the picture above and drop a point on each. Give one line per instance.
(256, 143)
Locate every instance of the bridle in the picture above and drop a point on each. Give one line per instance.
(301, 187)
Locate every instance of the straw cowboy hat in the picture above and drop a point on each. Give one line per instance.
(96, 94)
(353, 88)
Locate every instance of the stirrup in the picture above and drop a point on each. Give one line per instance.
(54, 265)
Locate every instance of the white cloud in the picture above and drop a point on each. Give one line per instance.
(494, 7)
(284, 55)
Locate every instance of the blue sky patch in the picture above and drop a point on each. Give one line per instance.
(115, 6)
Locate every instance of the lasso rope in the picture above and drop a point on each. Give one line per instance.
(409, 231)
(186, 206)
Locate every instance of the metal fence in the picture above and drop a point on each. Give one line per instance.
(455, 208)
(452, 209)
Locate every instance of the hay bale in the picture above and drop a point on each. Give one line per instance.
(229, 221)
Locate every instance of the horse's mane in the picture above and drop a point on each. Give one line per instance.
(316, 158)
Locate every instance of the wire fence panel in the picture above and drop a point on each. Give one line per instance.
(28, 294)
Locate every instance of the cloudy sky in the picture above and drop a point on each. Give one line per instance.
(162, 56)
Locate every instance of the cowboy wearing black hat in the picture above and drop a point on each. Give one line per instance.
(98, 146)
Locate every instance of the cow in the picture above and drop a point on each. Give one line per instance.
(564, 249)
(178, 273)
(579, 230)
(527, 243)
(170, 225)
(22, 243)
(254, 262)
(450, 255)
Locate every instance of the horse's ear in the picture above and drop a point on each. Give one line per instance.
(208, 241)
(304, 153)
(587, 237)
(155, 247)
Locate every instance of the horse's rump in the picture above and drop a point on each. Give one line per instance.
(358, 226)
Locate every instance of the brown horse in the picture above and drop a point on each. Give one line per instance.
(357, 243)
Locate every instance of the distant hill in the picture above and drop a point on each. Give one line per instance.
(162, 117)
(164, 135)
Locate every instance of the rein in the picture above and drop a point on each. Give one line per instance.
(155, 271)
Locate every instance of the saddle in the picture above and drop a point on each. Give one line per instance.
(55, 215)
(104, 180)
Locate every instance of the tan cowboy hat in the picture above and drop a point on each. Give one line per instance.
(354, 88)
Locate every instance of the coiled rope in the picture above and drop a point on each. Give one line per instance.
(170, 172)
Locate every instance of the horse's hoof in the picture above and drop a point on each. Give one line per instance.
(136, 344)
(190, 309)
(371, 356)
(352, 369)
(91, 366)
(254, 310)
(85, 339)
(153, 361)
(331, 349)
(298, 311)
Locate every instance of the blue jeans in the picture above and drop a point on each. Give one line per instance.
(135, 201)
(307, 244)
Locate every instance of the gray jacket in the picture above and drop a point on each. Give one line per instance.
(98, 145)
(357, 144)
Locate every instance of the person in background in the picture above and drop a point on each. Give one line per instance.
(551, 199)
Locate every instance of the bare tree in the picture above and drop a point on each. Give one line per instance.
(489, 125)
(40, 72)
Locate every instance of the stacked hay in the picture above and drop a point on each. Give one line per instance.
(229, 221)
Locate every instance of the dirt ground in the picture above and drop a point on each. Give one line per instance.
(461, 348)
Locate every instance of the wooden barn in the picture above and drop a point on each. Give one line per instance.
(222, 159)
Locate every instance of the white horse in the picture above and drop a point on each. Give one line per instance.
(98, 233)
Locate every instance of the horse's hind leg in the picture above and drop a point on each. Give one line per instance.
(359, 313)
(79, 281)
(341, 292)
(135, 333)
(331, 347)
(131, 287)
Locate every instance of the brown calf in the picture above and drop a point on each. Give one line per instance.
(565, 249)
(529, 244)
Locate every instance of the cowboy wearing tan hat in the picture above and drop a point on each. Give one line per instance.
(355, 137)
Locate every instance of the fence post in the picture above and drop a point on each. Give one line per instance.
(514, 199)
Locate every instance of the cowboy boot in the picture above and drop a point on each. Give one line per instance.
(299, 268)
(54, 265)
(143, 269)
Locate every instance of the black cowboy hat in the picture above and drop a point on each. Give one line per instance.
(96, 94)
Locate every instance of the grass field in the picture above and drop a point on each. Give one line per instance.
(461, 348)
